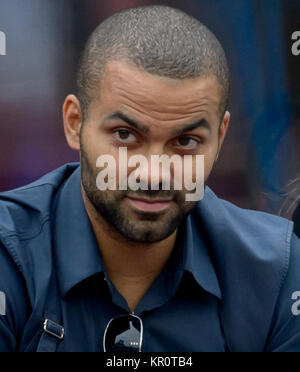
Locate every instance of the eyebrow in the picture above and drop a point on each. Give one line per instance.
(202, 123)
(121, 116)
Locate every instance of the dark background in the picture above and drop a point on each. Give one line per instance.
(261, 151)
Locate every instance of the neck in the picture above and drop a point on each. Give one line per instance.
(131, 266)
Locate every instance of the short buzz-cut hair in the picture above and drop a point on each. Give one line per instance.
(158, 39)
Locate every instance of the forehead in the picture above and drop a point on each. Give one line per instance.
(162, 98)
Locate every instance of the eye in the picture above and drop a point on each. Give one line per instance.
(188, 143)
(125, 136)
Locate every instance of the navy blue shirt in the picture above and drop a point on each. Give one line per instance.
(230, 285)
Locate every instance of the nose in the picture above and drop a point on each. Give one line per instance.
(155, 169)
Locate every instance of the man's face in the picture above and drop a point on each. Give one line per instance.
(149, 115)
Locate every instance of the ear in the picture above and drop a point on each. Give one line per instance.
(72, 116)
(223, 130)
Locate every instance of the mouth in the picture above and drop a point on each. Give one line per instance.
(149, 205)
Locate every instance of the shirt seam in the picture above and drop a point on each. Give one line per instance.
(288, 241)
(287, 245)
(26, 188)
(13, 233)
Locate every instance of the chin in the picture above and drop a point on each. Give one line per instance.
(151, 234)
(146, 239)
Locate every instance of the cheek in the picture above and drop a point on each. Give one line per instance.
(97, 144)
(201, 167)
(208, 166)
(209, 159)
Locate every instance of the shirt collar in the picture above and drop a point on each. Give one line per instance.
(78, 256)
(76, 249)
(196, 257)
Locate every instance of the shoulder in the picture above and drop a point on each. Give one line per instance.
(285, 328)
(24, 210)
(26, 249)
(253, 257)
(262, 236)
(264, 239)
(25, 227)
(247, 217)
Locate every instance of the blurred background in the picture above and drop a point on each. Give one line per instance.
(261, 153)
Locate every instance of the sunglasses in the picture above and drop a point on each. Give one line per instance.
(123, 334)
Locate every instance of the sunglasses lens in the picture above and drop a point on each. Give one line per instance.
(124, 334)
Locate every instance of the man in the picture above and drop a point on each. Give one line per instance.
(144, 270)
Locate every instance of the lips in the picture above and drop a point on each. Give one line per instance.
(147, 205)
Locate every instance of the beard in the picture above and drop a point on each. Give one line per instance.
(132, 225)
